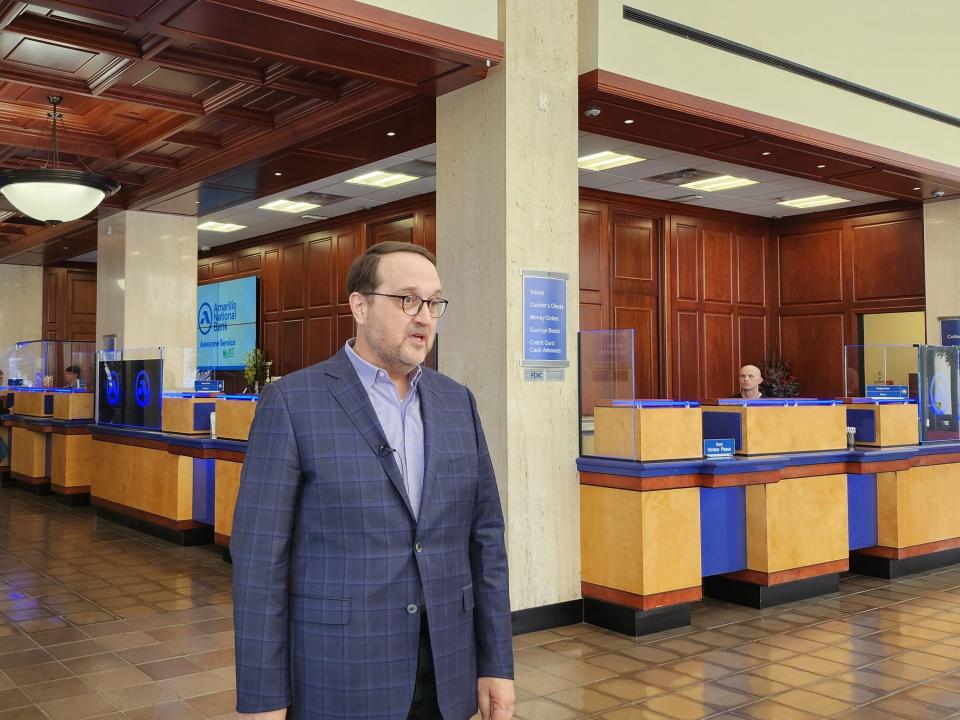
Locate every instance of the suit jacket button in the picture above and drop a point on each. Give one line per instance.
(412, 609)
(418, 547)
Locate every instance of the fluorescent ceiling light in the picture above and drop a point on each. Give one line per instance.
(722, 182)
(220, 227)
(289, 206)
(382, 179)
(606, 160)
(813, 201)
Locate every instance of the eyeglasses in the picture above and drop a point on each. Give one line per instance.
(412, 304)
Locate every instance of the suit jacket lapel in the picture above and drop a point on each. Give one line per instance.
(349, 392)
(430, 411)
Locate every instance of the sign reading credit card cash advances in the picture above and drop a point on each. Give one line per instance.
(544, 319)
(226, 323)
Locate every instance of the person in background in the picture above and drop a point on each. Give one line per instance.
(71, 376)
(750, 380)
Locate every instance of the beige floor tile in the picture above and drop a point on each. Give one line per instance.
(57, 690)
(116, 678)
(33, 674)
(178, 710)
(188, 686)
(215, 704)
(78, 708)
(586, 700)
(139, 696)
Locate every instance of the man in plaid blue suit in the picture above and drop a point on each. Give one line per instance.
(370, 572)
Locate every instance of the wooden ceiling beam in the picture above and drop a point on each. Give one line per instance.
(124, 178)
(154, 160)
(191, 138)
(197, 62)
(9, 10)
(67, 141)
(146, 134)
(100, 40)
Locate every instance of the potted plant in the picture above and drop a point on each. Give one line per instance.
(778, 378)
(255, 369)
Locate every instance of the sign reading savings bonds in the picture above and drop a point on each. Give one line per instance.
(544, 319)
(226, 323)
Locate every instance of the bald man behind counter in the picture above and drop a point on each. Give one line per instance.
(750, 379)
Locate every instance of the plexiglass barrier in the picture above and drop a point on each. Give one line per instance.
(881, 371)
(48, 363)
(130, 387)
(606, 375)
(939, 384)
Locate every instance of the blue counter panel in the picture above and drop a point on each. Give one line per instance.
(723, 530)
(718, 425)
(201, 415)
(204, 485)
(862, 510)
(865, 423)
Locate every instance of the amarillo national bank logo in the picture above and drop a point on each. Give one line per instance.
(113, 388)
(204, 318)
(141, 389)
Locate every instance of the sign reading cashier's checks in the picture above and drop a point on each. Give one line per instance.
(544, 325)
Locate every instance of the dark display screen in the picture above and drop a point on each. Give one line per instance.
(129, 392)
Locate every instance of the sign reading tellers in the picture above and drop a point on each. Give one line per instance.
(544, 318)
(226, 323)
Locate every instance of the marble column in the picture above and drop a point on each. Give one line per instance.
(941, 259)
(506, 202)
(147, 288)
(21, 304)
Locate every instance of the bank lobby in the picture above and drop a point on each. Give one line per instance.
(628, 203)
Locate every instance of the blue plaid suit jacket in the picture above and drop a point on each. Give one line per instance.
(325, 562)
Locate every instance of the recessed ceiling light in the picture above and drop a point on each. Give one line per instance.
(820, 167)
(196, 202)
(391, 133)
(220, 227)
(813, 201)
(916, 188)
(289, 206)
(382, 179)
(628, 122)
(765, 153)
(606, 160)
(723, 182)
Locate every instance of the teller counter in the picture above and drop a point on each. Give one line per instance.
(761, 529)
(50, 442)
(181, 486)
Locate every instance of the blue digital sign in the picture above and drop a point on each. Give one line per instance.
(544, 319)
(898, 392)
(226, 323)
(719, 447)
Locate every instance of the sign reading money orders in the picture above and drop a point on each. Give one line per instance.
(544, 323)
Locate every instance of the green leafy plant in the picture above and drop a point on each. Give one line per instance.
(255, 367)
(778, 378)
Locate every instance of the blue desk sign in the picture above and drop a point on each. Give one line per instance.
(544, 319)
(950, 331)
(718, 448)
(899, 392)
(208, 385)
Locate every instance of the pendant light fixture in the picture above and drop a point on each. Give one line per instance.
(54, 194)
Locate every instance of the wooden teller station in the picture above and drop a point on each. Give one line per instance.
(787, 504)
(178, 481)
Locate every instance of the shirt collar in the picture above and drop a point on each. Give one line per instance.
(368, 373)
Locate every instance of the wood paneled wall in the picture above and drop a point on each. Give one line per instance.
(692, 286)
(304, 314)
(705, 291)
(829, 272)
(69, 303)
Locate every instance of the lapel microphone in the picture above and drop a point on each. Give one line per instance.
(384, 450)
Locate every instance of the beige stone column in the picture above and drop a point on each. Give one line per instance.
(21, 305)
(941, 259)
(147, 288)
(506, 202)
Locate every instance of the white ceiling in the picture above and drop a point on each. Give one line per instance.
(760, 199)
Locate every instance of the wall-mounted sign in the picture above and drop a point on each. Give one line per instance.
(226, 323)
(950, 331)
(544, 319)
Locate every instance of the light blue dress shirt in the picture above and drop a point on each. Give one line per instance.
(400, 420)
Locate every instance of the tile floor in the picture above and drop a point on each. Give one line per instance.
(98, 621)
